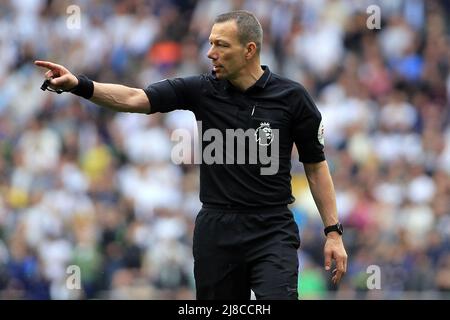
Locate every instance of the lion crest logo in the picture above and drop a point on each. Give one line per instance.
(264, 134)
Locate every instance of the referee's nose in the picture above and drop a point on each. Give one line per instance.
(212, 54)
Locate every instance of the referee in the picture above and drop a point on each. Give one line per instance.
(245, 237)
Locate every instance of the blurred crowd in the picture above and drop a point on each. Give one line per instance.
(84, 186)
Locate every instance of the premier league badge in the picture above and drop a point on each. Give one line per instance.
(263, 134)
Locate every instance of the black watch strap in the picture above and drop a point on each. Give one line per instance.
(336, 227)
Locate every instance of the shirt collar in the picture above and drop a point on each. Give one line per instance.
(263, 80)
(260, 83)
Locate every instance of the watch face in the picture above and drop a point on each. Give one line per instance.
(340, 228)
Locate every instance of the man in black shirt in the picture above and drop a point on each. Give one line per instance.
(245, 237)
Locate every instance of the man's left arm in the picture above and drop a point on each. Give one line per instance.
(322, 190)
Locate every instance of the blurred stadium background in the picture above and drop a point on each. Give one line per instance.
(80, 185)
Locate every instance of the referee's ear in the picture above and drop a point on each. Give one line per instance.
(251, 50)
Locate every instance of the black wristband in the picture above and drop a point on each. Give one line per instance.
(85, 87)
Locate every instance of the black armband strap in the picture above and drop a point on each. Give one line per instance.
(85, 87)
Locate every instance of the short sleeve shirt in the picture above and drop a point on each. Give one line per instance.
(273, 114)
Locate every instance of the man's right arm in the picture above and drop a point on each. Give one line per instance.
(120, 98)
(113, 96)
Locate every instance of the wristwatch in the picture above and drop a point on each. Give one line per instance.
(336, 227)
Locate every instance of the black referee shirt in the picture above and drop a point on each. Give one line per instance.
(274, 102)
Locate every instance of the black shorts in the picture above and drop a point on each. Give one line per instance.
(236, 251)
